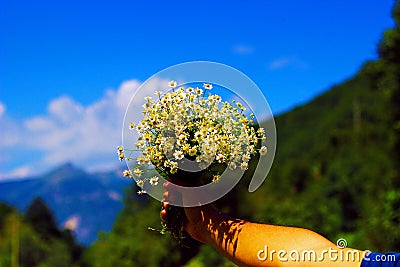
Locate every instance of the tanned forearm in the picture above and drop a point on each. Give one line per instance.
(252, 244)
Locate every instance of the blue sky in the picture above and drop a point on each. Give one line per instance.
(67, 67)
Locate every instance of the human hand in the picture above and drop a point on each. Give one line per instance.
(197, 219)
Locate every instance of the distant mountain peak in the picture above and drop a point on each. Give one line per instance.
(65, 170)
(68, 166)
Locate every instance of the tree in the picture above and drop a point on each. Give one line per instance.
(5, 210)
(42, 220)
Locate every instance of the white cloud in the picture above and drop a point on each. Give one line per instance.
(65, 109)
(71, 132)
(17, 173)
(243, 49)
(85, 135)
(283, 62)
(2, 109)
(278, 63)
(72, 223)
(9, 134)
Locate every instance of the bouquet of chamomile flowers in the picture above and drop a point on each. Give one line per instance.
(188, 124)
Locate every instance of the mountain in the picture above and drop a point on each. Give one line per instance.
(86, 203)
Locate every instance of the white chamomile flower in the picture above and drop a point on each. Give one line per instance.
(131, 126)
(261, 131)
(141, 192)
(140, 183)
(244, 165)
(199, 91)
(138, 172)
(207, 86)
(154, 181)
(172, 84)
(220, 157)
(246, 157)
(127, 173)
(178, 154)
(147, 161)
(173, 169)
(216, 178)
(141, 160)
(263, 150)
(232, 165)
